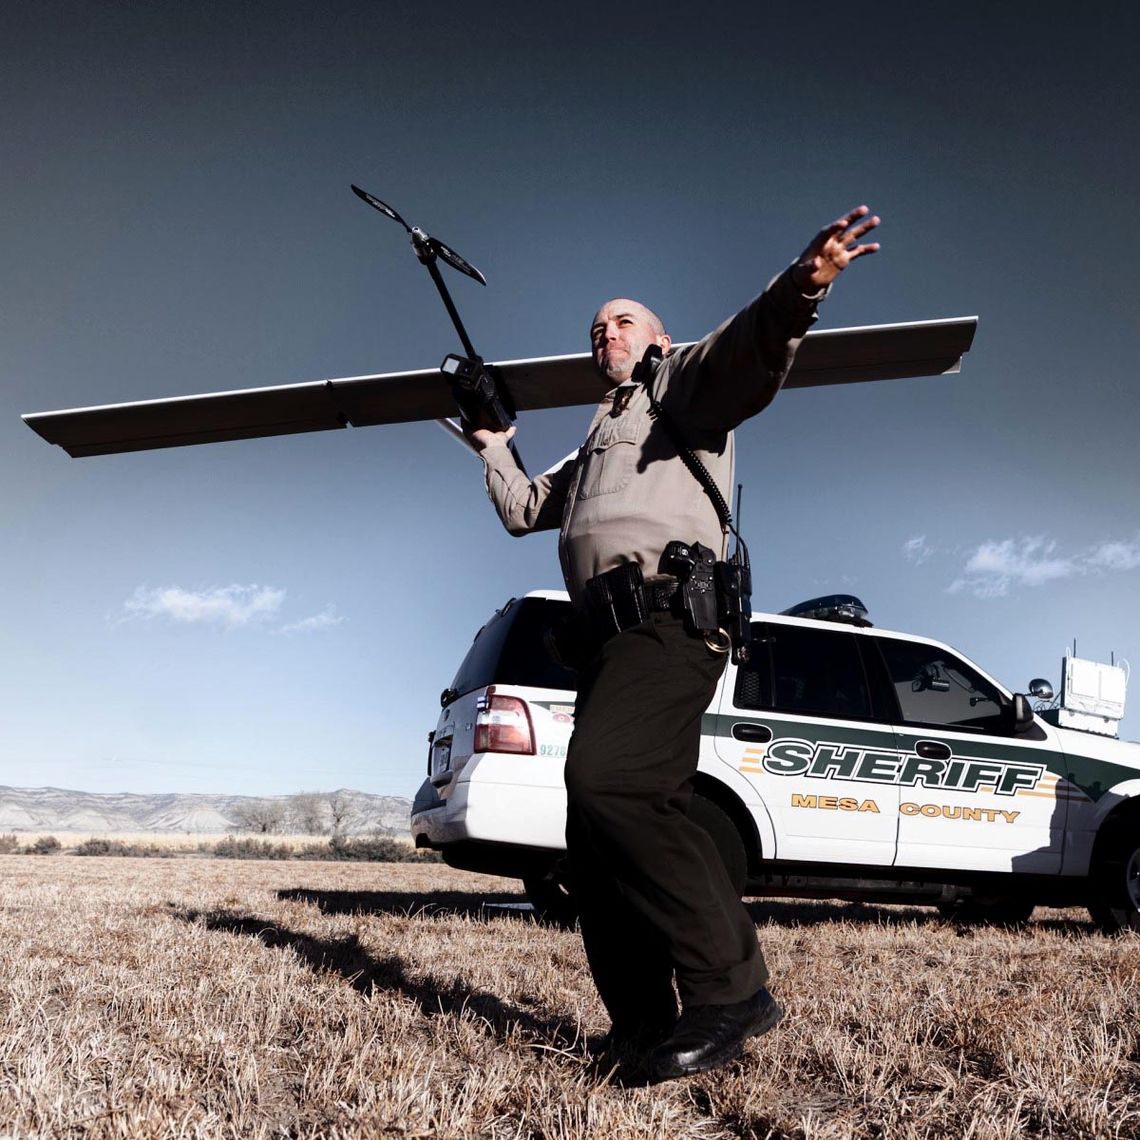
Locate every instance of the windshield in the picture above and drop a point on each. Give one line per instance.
(933, 687)
(509, 649)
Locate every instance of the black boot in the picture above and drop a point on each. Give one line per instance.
(708, 1036)
(639, 1031)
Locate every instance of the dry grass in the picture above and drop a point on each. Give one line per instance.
(182, 998)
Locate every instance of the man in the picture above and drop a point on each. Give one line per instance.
(656, 902)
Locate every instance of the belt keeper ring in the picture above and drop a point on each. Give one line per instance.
(718, 641)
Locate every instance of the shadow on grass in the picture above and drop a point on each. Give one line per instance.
(468, 904)
(820, 912)
(389, 973)
(763, 911)
(480, 905)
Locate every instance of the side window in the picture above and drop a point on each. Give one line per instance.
(935, 687)
(816, 672)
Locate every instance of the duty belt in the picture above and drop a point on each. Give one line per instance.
(620, 599)
(662, 595)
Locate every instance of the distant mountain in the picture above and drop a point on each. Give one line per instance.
(56, 809)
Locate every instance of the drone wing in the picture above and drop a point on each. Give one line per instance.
(838, 356)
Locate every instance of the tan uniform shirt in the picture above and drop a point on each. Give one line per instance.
(627, 493)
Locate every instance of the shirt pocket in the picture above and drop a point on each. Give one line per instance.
(611, 457)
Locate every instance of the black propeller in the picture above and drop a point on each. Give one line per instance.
(432, 246)
(479, 390)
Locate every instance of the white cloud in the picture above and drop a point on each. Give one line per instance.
(997, 566)
(917, 549)
(1116, 555)
(324, 620)
(228, 606)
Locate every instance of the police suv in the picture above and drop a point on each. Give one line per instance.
(841, 761)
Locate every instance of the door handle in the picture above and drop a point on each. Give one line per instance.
(760, 733)
(933, 750)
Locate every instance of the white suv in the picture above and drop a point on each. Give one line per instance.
(841, 762)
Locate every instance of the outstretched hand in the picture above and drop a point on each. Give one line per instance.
(833, 249)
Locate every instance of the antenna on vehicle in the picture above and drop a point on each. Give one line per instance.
(478, 391)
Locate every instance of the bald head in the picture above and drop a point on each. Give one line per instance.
(621, 332)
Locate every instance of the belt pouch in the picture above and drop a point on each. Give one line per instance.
(617, 597)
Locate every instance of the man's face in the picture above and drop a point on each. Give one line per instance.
(619, 336)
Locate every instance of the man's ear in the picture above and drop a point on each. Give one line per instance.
(665, 341)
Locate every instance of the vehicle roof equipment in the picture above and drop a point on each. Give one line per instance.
(844, 608)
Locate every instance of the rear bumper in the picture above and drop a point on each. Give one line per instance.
(500, 859)
(515, 801)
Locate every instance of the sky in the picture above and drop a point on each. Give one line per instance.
(277, 615)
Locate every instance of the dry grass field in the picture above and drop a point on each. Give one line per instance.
(185, 998)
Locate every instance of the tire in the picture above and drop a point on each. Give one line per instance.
(1115, 903)
(987, 910)
(554, 904)
(717, 822)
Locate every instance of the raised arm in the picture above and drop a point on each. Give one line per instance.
(737, 369)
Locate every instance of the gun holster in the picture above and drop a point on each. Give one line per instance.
(715, 596)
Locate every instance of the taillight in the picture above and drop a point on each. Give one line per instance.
(502, 724)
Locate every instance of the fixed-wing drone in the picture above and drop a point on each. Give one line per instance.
(838, 356)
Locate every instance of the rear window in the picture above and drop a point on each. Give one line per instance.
(509, 649)
(816, 672)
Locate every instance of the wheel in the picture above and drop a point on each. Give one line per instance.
(987, 910)
(717, 822)
(555, 905)
(1115, 904)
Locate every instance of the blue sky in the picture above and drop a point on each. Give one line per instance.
(176, 218)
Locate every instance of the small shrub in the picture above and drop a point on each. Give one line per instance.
(371, 849)
(95, 846)
(234, 848)
(375, 849)
(45, 845)
(100, 846)
(9, 844)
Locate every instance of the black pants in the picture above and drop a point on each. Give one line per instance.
(656, 901)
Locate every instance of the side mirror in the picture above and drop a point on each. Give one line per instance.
(1041, 689)
(1022, 713)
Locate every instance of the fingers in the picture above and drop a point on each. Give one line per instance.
(859, 250)
(836, 246)
(849, 217)
(847, 229)
(484, 437)
(856, 232)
